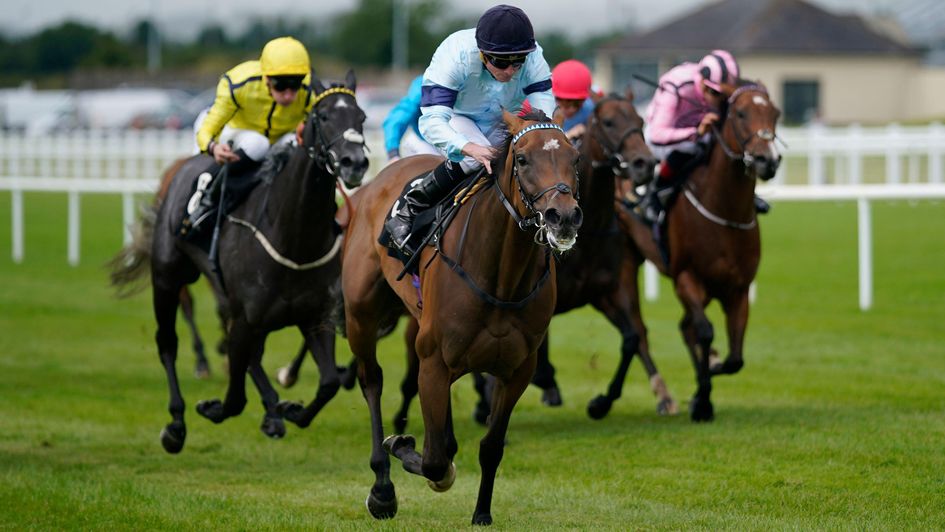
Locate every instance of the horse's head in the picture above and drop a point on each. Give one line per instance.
(334, 131)
(616, 134)
(543, 162)
(749, 130)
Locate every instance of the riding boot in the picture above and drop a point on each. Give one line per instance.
(204, 202)
(422, 194)
(651, 204)
(761, 206)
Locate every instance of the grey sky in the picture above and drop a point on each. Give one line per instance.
(576, 17)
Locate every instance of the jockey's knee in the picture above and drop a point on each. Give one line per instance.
(254, 146)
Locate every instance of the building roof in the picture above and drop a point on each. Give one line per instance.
(762, 26)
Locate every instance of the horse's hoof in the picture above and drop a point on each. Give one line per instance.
(701, 410)
(348, 378)
(551, 396)
(667, 407)
(202, 370)
(395, 442)
(482, 519)
(294, 412)
(173, 436)
(381, 507)
(481, 414)
(273, 427)
(599, 407)
(285, 377)
(211, 409)
(446, 482)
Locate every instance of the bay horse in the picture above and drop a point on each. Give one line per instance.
(714, 238)
(486, 299)
(277, 261)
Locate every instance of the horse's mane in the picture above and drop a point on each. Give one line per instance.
(498, 160)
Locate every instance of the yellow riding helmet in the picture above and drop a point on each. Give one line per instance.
(284, 56)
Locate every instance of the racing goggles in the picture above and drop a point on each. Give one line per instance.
(283, 83)
(505, 61)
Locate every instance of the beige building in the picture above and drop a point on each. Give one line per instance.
(817, 65)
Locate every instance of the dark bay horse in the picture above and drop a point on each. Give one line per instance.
(277, 258)
(714, 239)
(488, 294)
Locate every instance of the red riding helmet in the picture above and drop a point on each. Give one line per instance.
(571, 80)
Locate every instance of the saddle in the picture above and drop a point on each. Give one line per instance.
(429, 225)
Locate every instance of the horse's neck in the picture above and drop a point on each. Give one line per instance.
(518, 260)
(300, 203)
(723, 188)
(597, 191)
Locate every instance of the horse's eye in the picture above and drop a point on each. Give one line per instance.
(521, 160)
(323, 118)
(740, 114)
(608, 123)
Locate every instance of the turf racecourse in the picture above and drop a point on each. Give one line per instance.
(837, 420)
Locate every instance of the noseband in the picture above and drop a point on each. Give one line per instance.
(322, 152)
(534, 217)
(615, 160)
(764, 134)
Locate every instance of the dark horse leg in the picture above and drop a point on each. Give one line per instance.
(288, 375)
(698, 334)
(244, 348)
(439, 442)
(408, 388)
(202, 367)
(544, 376)
(736, 319)
(321, 342)
(382, 500)
(492, 445)
(272, 424)
(165, 301)
(622, 309)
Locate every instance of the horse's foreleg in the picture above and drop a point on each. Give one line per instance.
(165, 303)
(698, 334)
(492, 445)
(736, 321)
(202, 367)
(434, 382)
(408, 388)
(272, 424)
(544, 376)
(242, 346)
(382, 500)
(322, 345)
(288, 375)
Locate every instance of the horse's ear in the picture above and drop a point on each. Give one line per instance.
(558, 118)
(317, 85)
(628, 94)
(350, 81)
(513, 122)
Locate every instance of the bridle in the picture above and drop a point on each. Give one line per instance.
(321, 152)
(534, 218)
(742, 141)
(614, 159)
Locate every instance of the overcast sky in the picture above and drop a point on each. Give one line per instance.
(576, 17)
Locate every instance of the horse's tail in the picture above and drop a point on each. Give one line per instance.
(129, 267)
(338, 310)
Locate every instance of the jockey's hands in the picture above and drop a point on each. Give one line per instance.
(482, 154)
(222, 153)
(393, 158)
(575, 132)
(298, 133)
(707, 121)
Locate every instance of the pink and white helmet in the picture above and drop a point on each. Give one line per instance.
(717, 67)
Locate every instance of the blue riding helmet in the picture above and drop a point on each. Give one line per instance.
(505, 30)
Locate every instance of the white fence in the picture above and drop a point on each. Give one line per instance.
(853, 163)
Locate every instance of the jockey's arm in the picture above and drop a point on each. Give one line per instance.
(223, 109)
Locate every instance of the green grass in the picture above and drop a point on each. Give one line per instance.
(837, 420)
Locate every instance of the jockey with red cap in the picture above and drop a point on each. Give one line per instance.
(686, 105)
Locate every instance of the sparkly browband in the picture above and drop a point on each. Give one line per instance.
(333, 90)
(747, 88)
(542, 125)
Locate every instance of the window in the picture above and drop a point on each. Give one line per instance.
(801, 102)
(625, 68)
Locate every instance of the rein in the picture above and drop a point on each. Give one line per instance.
(281, 259)
(712, 217)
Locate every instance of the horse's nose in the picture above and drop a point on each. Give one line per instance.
(766, 166)
(572, 220)
(641, 170)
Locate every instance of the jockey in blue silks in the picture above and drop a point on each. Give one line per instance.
(402, 118)
(473, 76)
